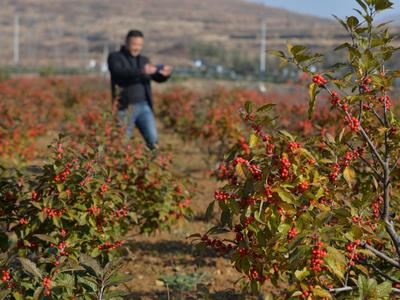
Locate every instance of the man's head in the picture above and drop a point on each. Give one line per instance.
(134, 42)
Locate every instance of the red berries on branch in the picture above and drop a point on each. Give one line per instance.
(303, 186)
(318, 253)
(292, 233)
(365, 85)
(351, 252)
(52, 212)
(335, 100)
(61, 177)
(320, 80)
(220, 195)
(110, 246)
(47, 285)
(353, 123)
(285, 165)
(217, 245)
(5, 276)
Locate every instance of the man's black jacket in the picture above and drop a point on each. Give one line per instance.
(125, 73)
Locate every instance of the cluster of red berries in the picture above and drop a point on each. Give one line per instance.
(248, 221)
(184, 203)
(353, 123)
(244, 145)
(94, 210)
(305, 294)
(47, 285)
(242, 251)
(293, 146)
(5, 276)
(292, 233)
(104, 188)
(344, 162)
(255, 275)
(318, 253)
(335, 99)
(320, 80)
(125, 176)
(110, 246)
(217, 245)
(267, 191)
(365, 85)
(63, 232)
(121, 213)
(53, 212)
(303, 186)
(220, 195)
(240, 160)
(23, 221)
(385, 100)
(61, 248)
(375, 206)
(254, 169)
(35, 195)
(351, 252)
(62, 176)
(285, 165)
(350, 156)
(256, 172)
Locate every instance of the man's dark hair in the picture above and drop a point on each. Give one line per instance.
(133, 34)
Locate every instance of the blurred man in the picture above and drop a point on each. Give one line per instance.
(131, 73)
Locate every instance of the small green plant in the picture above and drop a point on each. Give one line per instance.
(185, 282)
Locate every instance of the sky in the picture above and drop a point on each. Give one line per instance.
(324, 8)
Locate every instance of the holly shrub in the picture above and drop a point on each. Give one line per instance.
(315, 216)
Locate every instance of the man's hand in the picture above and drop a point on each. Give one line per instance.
(166, 71)
(149, 69)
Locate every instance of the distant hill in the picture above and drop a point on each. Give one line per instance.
(70, 32)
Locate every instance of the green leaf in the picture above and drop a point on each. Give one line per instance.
(363, 5)
(90, 264)
(253, 140)
(297, 49)
(286, 197)
(382, 4)
(266, 107)
(30, 267)
(352, 21)
(118, 278)
(384, 289)
(350, 176)
(242, 170)
(46, 238)
(248, 106)
(276, 53)
(336, 262)
(4, 294)
(210, 210)
(301, 274)
(317, 291)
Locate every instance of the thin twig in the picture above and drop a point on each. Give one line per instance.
(381, 255)
(376, 269)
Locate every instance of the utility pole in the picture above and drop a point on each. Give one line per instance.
(263, 48)
(16, 39)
